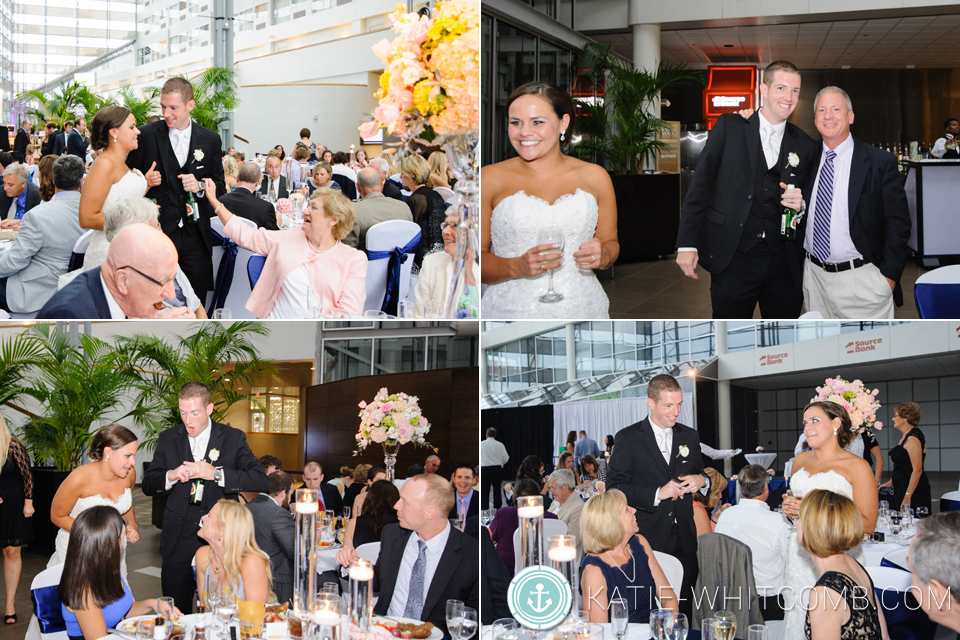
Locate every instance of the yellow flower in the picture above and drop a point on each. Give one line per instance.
(423, 102)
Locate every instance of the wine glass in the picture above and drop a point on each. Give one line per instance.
(505, 629)
(551, 236)
(884, 504)
(725, 625)
(226, 611)
(677, 627)
(757, 632)
(454, 617)
(659, 623)
(906, 514)
(468, 624)
(619, 617)
(922, 512)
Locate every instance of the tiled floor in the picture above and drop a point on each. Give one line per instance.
(658, 290)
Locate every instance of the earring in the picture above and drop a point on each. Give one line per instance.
(114, 137)
(834, 431)
(107, 458)
(562, 136)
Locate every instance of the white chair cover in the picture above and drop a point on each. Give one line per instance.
(672, 568)
(384, 236)
(447, 194)
(47, 578)
(369, 551)
(240, 289)
(83, 242)
(811, 315)
(550, 528)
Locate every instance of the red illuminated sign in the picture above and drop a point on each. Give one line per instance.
(728, 90)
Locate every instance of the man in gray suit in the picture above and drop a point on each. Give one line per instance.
(373, 207)
(41, 252)
(275, 531)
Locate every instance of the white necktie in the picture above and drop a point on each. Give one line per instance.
(662, 443)
(766, 138)
(180, 149)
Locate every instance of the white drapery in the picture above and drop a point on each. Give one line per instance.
(601, 417)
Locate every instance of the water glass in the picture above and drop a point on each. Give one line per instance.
(166, 609)
(405, 309)
(660, 623)
(222, 314)
(619, 617)
(487, 516)
(706, 629)
(467, 625)
(677, 627)
(454, 617)
(506, 629)
(226, 612)
(551, 236)
(330, 587)
(757, 632)
(906, 516)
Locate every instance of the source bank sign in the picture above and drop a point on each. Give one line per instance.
(858, 349)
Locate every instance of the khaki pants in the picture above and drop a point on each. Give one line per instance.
(861, 294)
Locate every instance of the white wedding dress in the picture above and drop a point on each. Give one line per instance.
(801, 574)
(514, 225)
(122, 505)
(131, 185)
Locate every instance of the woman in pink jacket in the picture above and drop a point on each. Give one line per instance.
(306, 267)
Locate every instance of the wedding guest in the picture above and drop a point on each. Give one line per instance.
(583, 447)
(466, 499)
(274, 185)
(299, 176)
(280, 153)
(77, 143)
(275, 532)
(230, 170)
(360, 161)
(307, 267)
(343, 480)
(946, 147)
(506, 522)
(829, 526)
(390, 188)
(427, 206)
(431, 464)
(307, 144)
(16, 511)
(368, 526)
(51, 132)
(322, 178)
(327, 156)
(436, 273)
(313, 479)
(93, 593)
(871, 452)
(911, 488)
(44, 180)
(244, 201)
(493, 457)
(935, 563)
(239, 156)
(19, 195)
(439, 171)
(23, 138)
(360, 477)
(373, 475)
(30, 161)
(270, 464)
(373, 208)
(60, 142)
(703, 505)
(232, 560)
(608, 444)
(590, 471)
(569, 506)
(566, 462)
(341, 165)
(619, 558)
(766, 533)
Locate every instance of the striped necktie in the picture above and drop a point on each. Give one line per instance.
(821, 221)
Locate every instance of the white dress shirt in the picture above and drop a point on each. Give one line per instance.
(180, 141)
(940, 147)
(841, 245)
(116, 313)
(493, 453)
(275, 183)
(768, 536)
(772, 152)
(435, 546)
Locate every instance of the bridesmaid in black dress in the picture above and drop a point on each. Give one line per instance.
(16, 508)
(911, 488)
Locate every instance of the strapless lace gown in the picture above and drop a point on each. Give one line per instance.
(63, 538)
(131, 185)
(514, 225)
(801, 574)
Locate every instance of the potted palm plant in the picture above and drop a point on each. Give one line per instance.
(621, 130)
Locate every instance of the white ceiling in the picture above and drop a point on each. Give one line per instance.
(880, 43)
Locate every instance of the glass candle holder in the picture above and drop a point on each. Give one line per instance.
(530, 513)
(361, 598)
(306, 508)
(326, 620)
(562, 556)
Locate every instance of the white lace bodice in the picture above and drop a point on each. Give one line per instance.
(514, 225)
(802, 483)
(131, 185)
(123, 504)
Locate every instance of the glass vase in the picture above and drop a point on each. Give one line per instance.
(390, 449)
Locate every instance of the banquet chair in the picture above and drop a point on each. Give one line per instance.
(950, 501)
(385, 236)
(897, 559)
(811, 315)
(905, 619)
(80, 250)
(369, 551)
(672, 569)
(726, 568)
(216, 226)
(447, 194)
(937, 293)
(550, 528)
(254, 269)
(46, 603)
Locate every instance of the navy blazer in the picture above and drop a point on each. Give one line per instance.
(77, 145)
(21, 141)
(82, 299)
(33, 199)
(60, 143)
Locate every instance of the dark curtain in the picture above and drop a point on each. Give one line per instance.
(523, 431)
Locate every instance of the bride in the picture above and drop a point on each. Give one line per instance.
(113, 130)
(544, 189)
(108, 480)
(827, 465)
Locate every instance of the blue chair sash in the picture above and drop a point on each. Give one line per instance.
(225, 273)
(255, 268)
(76, 261)
(949, 505)
(893, 565)
(937, 300)
(397, 256)
(46, 606)
(905, 619)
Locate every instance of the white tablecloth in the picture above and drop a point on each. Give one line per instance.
(327, 558)
(763, 459)
(634, 632)
(875, 552)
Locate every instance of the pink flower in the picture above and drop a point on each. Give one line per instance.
(385, 407)
(368, 130)
(387, 114)
(876, 391)
(384, 391)
(363, 403)
(878, 425)
(382, 49)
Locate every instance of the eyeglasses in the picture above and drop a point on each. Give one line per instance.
(449, 225)
(156, 282)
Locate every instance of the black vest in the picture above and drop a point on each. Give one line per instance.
(763, 222)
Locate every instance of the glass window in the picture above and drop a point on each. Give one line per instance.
(812, 330)
(446, 352)
(359, 324)
(396, 355)
(740, 338)
(487, 93)
(555, 64)
(344, 359)
(516, 65)
(867, 325)
(775, 333)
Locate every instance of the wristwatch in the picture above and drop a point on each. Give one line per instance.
(218, 474)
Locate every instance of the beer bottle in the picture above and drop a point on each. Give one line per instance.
(788, 222)
(193, 214)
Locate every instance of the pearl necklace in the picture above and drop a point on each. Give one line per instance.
(633, 563)
(315, 250)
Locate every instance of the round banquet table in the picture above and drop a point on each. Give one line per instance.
(875, 552)
(762, 459)
(327, 558)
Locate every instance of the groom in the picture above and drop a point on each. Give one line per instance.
(657, 465)
(185, 153)
(197, 454)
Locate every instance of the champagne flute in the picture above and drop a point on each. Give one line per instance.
(757, 632)
(551, 236)
(619, 617)
(725, 625)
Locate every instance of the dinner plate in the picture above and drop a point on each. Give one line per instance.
(128, 626)
(435, 633)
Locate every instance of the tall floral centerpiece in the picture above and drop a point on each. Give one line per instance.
(391, 419)
(430, 94)
(861, 404)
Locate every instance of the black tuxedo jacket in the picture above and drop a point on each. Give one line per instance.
(456, 577)
(473, 508)
(638, 469)
(721, 193)
(281, 186)
(82, 299)
(77, 145)
(245, 204)
(46, 147)
(60, 143)
(33, 199)
(21, 141)
(391, 190)
(154, 146)
(879, 216)
(332, 501)
(241, 472)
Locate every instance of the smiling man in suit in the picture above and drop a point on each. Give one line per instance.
(855, 238)
(273, 183)
(195, 464)
(657, 465)
(185, 153)
(730, 220)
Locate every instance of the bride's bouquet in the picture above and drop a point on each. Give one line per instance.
(860, 403)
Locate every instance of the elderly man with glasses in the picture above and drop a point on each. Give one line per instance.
(19, 195)
(133, 282)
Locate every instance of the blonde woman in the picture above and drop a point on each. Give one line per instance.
(439, 171)
(232, 561)
(703, 504)
(619, 558)
(16, 509)
(427, 206)
(230, 171)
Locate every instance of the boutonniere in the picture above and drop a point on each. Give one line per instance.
(684, 451)
(198, 155)
(214, 454)
(792, 160)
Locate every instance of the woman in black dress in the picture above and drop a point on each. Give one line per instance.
(427, 206)
(911, 488)
(378, 512)
(16, 508)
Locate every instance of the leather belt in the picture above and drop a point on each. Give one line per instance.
(838, 267)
